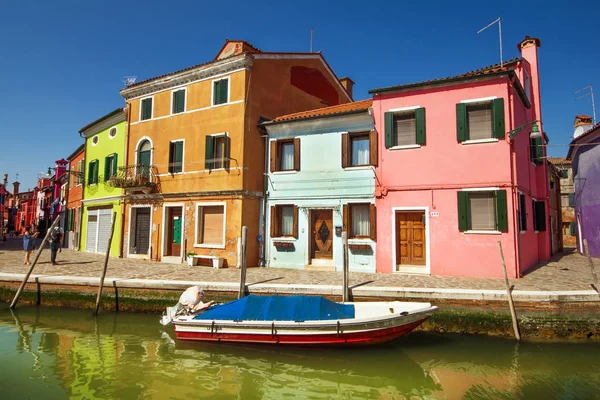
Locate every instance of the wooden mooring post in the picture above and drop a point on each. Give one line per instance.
(345, 296)
(591, 262)
(101, 285)
(513, 313)
(242, 292)
(37, 256)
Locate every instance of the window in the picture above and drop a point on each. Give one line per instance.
(284, 221)
(93, 172)
(80, 172)
(564, 200)
(482, 211)
(480, 120)
(564, 173)
(112, 132)
(571, 200)
(359, 149)
(539, 215)
(95, 140)
(285, 155)
(178, 101)
(146, 109)
(217, 151)
(210, 225)
(220, 91)
(176, 157)
(536, 153)
(144, 158)
(522, 212)
(405, 128)
(110, 167)
(359, 220)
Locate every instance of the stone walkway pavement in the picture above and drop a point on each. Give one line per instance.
(567, 271)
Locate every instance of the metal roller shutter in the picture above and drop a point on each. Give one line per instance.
(142, 231)
(104, 226)
(92, 230)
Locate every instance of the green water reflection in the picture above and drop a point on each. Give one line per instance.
(59, 353)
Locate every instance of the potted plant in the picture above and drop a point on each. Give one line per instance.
(190, 258)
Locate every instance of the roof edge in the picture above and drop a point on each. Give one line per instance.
(103, 118)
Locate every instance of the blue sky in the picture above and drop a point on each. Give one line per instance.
(64, 62)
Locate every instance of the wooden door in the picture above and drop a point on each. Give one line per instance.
(174, 243)
(410, 239)
(322, 234)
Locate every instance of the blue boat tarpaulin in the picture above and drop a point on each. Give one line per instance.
(279, 308)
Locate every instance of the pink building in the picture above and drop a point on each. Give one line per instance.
(456, 176)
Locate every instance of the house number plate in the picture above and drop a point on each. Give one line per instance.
(434, 214)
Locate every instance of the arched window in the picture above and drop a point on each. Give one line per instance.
(144, 157)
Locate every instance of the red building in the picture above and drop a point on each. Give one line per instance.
(74, 197)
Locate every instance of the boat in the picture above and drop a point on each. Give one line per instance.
(301, 321)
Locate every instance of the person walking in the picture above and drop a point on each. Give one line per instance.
(28, 240)
(55, 243)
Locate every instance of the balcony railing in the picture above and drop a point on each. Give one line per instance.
(139, 176)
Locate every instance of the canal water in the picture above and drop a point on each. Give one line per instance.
(52, 353)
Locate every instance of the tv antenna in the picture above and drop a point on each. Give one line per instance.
(129, 80)
(311, 33)
(499, 21)
(591, 94)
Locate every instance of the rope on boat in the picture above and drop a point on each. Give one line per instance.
(338, 328)
(273, 330)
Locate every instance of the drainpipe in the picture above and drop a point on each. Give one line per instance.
(265, 191)
(123, 201)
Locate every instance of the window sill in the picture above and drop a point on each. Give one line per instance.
(360, 241)
(406, 147)
(358, 167)
(209, 246)
(285, 172)
(144, 120)
(219, 105)
(522, 232)
(478, 141)
(484, 232)
(284, 239)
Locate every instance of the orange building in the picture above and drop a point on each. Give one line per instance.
(74, 197)
(195, 167)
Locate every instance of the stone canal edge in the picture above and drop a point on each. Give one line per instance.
(542, 314)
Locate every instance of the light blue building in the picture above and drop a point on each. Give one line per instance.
(320, 182)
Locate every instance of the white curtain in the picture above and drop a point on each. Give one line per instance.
(480, 122)
(287, 156)
(406, 130)
(360, 151)
(360, 220)
(287, 221)
(483, 211)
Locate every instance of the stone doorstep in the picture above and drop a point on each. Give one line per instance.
(374, 292)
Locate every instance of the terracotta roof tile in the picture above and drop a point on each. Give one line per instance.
(559, 161)
(506, 65)
(356, 106)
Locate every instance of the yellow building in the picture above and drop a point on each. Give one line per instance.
(195, 161)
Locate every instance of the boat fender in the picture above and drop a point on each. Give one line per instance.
(404, 313)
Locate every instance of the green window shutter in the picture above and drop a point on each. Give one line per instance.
(226, 150)
(501, 211)
(498, 118)
(461, 122)
(208, 163)
(463, 211)
(90, 172)
(571, 199)
(539, 151)
(217, 92)
(95, 171)
(573, 228)
(174, 100)
(178, 101)
(114, 165)
(389, 129)
(106, 168)
(178, 157)
(420, 118)
(223, 89)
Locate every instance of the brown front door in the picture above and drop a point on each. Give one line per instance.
(175, 226)
(410, 238)
(322, 234)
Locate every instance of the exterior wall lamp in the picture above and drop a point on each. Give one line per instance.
(78, 174)
(535, 130)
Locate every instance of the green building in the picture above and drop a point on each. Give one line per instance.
(105, 149)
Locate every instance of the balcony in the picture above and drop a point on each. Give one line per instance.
(136, 177)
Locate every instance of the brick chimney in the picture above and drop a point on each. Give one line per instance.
(15, 188)
(582, 124)
(529, 50)
(348, 84)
